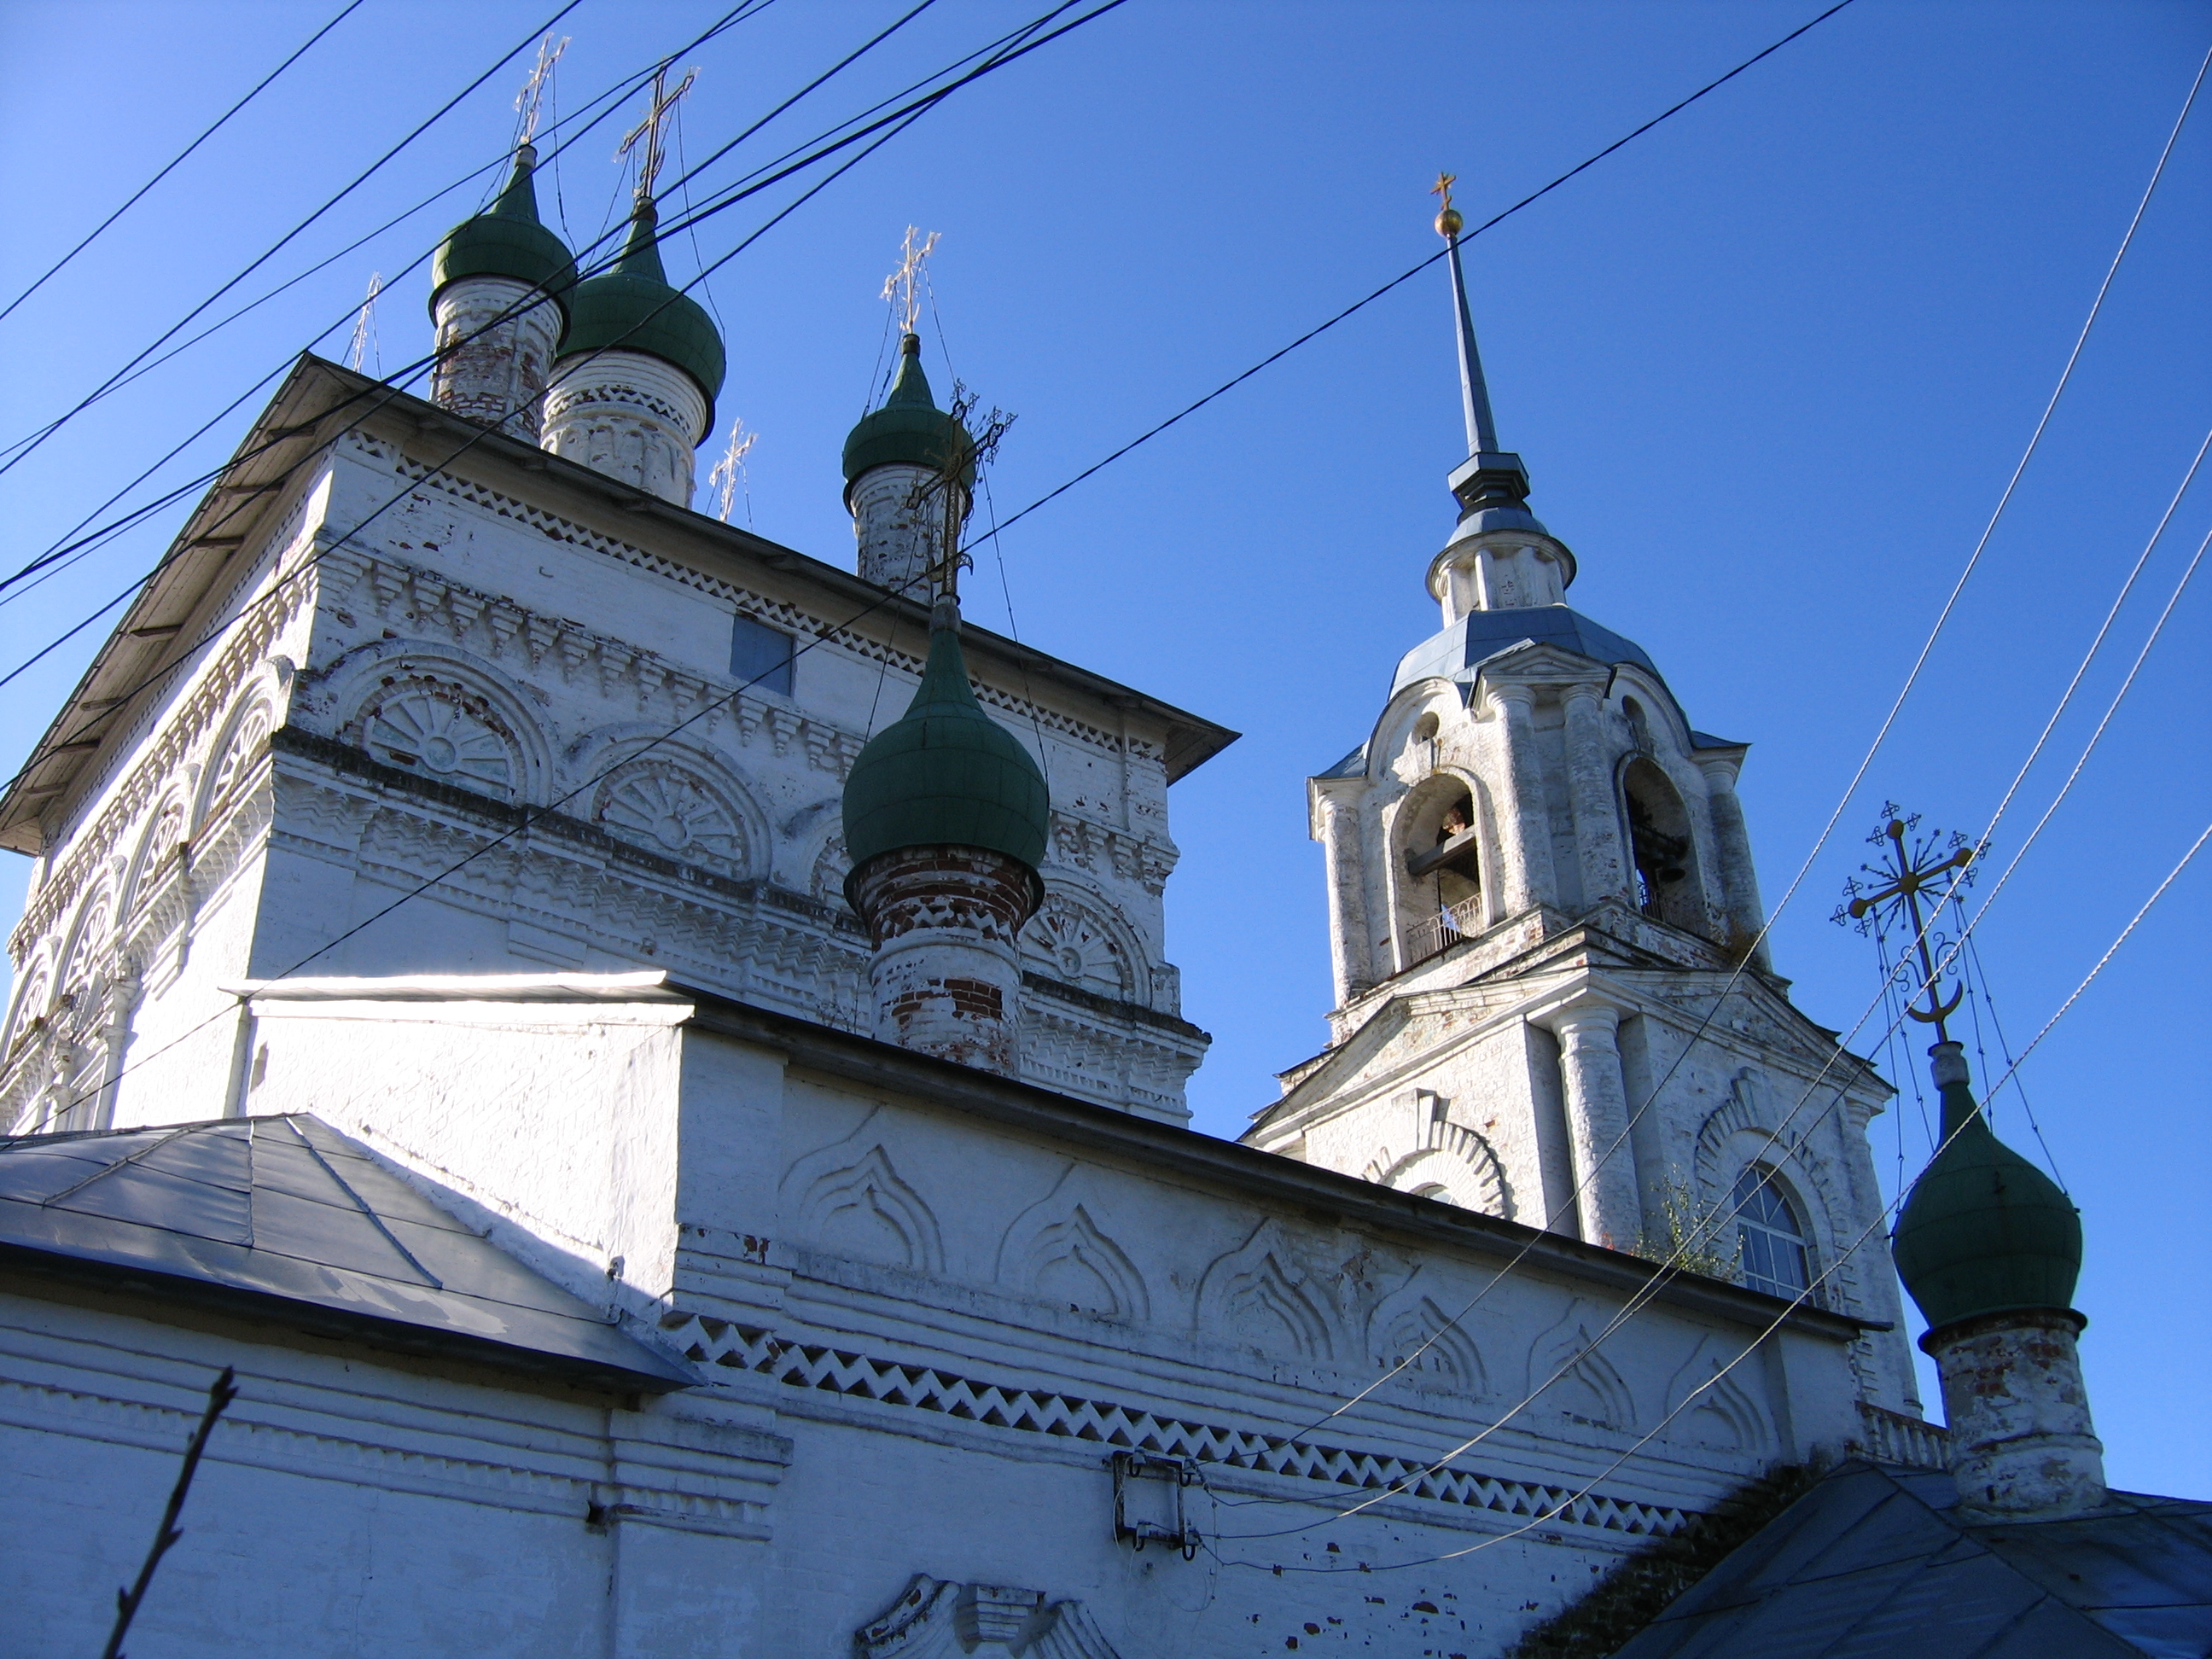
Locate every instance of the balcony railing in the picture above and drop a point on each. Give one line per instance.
(1889, 1436)
(1440, 932)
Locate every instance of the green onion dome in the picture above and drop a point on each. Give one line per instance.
(1984, 1231)
(909, 430)
(946, 774)
(631, 306)
(506, 239)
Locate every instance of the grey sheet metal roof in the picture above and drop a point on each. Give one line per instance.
(1481, 635)
(1873, 1564)
(285, 1220)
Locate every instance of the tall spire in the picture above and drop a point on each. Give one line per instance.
(1492, 480)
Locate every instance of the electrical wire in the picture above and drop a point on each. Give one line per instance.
(776, 172)
(178, 160)
(22, 448)
(1721, 998)
(1803, 1297)
(885, 136)
(72, 551)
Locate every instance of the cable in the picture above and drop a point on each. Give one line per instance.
(759, 183)
(852, 161)
(1721, 998)
(1775, 1324)
(1407, 276)
(23, 447)
(178, 159)
(611, 96)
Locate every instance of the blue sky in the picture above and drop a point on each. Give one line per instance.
(1770, 368)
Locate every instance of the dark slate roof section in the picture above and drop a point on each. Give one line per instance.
(284, 1220)
(1481, 635)
(1873, 1564)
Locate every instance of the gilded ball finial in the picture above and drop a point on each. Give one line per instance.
(1448, 224)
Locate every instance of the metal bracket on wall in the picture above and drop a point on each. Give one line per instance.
(1148, 1504)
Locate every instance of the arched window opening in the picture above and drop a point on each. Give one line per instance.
(1441, 1194)
(1660, 850)
(1773, 1238)
(1442, 885)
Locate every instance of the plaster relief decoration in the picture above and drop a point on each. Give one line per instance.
(827, 884)
(1251, 1296)
(1408, 1329)
(1711, 1410)
(664, 807)
(1456, 1166)
(442, 731)
(936, 1619)
(1065, 941)
(239, 752)
(1055, 1252)
(168, 829)
(1575, 1380)
(847, 1198)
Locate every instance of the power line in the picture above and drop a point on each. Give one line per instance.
(23, 447)
(1721, 998)
(1773, 1325)
(1407, 276)
(761, 179)
(178, 159)
(67, 552)
(884, 137)
(611, 95)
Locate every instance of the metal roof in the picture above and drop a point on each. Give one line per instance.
(1481, 635)
(286, 1221)
(1873, 1563)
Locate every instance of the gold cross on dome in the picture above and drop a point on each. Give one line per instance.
(654, 125)
(533, 90)
(899, 288)
(1448, 220)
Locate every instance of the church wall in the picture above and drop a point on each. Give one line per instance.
(456, 614)
(947, 1300)
(142, 901)
(353, 1502)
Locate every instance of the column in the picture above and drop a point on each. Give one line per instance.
(1740, 907)
(2022, 1447)
(1349, 952)
(1526, 824)
(1597, 1125)
(1589, 781)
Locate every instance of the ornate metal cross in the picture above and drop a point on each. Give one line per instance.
(1913, 863)
(899, 288)
(533, 90)
(654, 125)
(1448, 219)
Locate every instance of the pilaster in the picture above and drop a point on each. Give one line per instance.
(1522, 824)
(1590, 780)
(1740, 906)
(1606, 1202)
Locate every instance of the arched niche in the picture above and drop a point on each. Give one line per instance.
(1436, 866)
(1663, 847)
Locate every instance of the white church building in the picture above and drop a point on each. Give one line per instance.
(684, 1161)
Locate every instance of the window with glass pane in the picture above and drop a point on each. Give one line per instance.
(760, 656)
(1773, 1240)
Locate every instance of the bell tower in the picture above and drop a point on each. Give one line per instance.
(1553, 1001)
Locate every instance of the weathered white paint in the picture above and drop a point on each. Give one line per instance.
(2023, 1448)
(629, 415)
(490, 637)
(495, 339)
